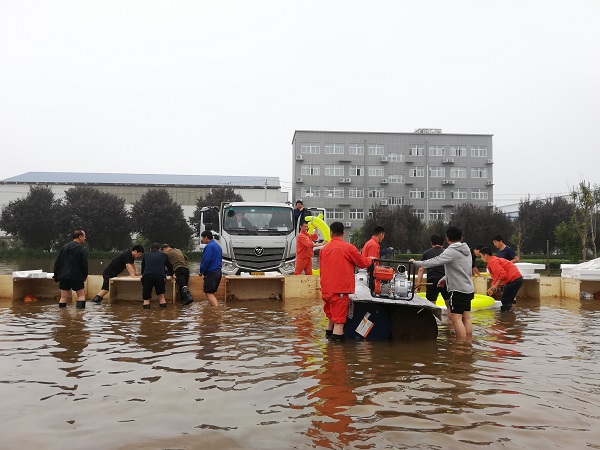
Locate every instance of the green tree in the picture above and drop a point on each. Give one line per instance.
(403, 230)
(33, 219)
(480, 223)
(102, 215)
(160, 219)
(586, 201)
(568, 239)
(215, 197)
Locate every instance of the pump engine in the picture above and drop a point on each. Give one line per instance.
(387, 282)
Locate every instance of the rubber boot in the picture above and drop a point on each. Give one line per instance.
(97, 299)
(328, 334)
(162, 305)
(337, 338)
(187, 296)
(62, 305)
(80, 304)
(146, 306)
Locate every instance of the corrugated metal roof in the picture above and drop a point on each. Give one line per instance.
(141, 179)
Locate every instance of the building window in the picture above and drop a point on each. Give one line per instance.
(417, 172)
(357, 149)
(357, 171)
(334, 170)
(396, 157)
(416, 150)
(375, 171)
(397, 201)
(458, 172)
(459, 194)
(357, 214)
(395, 179)
(314, 149)
(437, 194)
(376, 149)
(479, 151)
(310, 192)
(310, 169)
(420, 213)
(478, 172)
(479, 194)
(375, 193)
(335, 214)
(437, 150)
(458, 150)
(416, 193)
(437, 214)
(334, 149)
(333, 192)
(437, 172)
(356, 193)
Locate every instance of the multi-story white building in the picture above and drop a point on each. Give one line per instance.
(433, 172)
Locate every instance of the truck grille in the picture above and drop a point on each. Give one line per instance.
(248, 259)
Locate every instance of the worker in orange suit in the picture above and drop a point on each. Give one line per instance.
(305, 244)
(504, 273)
(372, 247)
(337, 262)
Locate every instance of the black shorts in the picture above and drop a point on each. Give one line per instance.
(152, 281)
(460, 302)
(432, 291)
(70, 285)
(212, 281)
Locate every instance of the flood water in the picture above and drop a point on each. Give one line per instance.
(260, 374)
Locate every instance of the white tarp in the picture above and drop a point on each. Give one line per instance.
(37, 273)
(589, 270)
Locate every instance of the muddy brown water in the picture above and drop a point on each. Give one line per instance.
(260, 374)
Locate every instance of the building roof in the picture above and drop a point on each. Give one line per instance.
(128, 179)
(386, 132)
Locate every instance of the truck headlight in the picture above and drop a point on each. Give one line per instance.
(228, 267)
(288, 267)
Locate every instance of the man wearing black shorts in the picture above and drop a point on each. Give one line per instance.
(71, 270)
(155, 266)
(210, 266)
(125, 260)
(179, 261)
(434, 274)
(457, 264)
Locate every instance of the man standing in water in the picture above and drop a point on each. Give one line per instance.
(179, 261)
(125, 260)
(71, 269)
(372, 248)
(337, 262)
(504, 273)
(457, 266)
(210, 267)
(305, 248)
(434, 274)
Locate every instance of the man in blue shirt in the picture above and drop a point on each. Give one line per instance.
(504, 251)
(210, 266)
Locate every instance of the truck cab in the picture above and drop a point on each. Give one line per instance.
(254, 236)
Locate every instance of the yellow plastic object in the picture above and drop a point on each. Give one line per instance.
(318, 223)
(479, 302)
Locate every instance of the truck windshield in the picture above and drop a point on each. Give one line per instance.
(257, 219)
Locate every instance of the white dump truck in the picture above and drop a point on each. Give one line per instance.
(254, 236)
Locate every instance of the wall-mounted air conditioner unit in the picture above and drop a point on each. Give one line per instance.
(384, 181)
(348, 224)
(299, 180)
(299, 157)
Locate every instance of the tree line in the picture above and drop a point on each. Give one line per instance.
(557, 225)
(40, 221)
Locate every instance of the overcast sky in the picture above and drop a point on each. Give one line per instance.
(198, 87)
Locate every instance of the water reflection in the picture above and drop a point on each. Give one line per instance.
(260, 374)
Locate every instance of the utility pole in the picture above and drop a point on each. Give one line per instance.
(426, 184)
